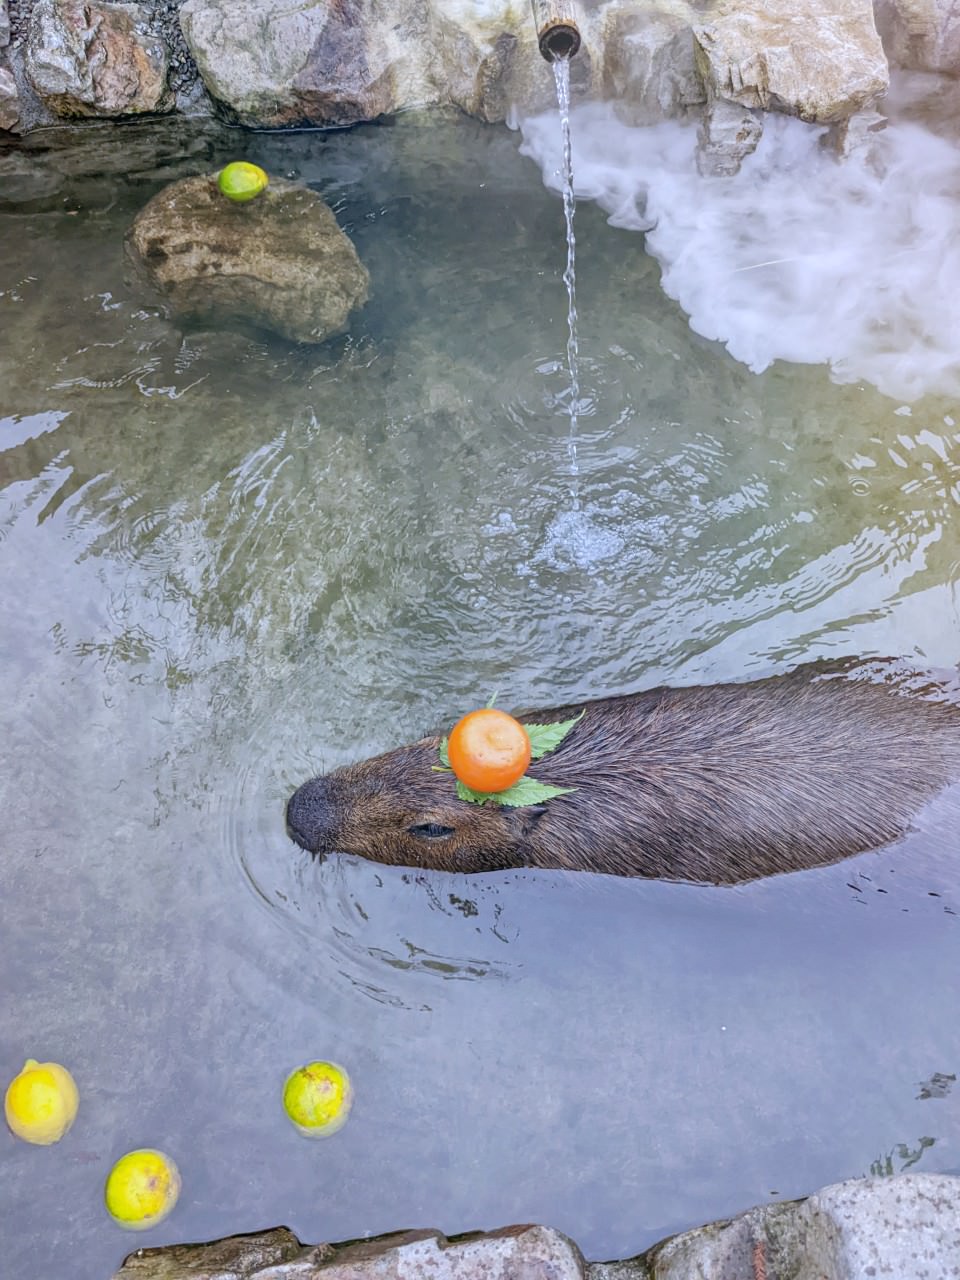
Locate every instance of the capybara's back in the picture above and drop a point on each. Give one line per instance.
(719, 783)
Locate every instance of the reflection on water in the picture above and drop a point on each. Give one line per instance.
(227, 564)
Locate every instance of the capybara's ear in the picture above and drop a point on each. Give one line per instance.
(524, 819)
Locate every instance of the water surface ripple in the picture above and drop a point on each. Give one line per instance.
(228, 564)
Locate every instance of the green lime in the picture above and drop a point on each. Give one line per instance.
(41, 1102)
(141, 1189)
(317, 1098)
(241, 181)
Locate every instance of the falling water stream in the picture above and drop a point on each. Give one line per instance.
(561, 74)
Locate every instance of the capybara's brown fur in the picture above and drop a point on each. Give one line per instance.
(718, 784)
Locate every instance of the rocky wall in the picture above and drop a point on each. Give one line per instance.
(272, 63)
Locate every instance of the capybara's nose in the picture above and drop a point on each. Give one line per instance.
(303, 810)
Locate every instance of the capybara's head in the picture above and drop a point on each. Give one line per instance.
(396, 808)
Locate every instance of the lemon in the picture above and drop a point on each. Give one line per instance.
(141, 1189)
(317, 1098)
(241, 181)
(41, 1102)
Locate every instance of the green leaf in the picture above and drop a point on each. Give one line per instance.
(493, 698)
(473, 797)
(525, 792)
(530, 791)
(444, 757)
(547, 737)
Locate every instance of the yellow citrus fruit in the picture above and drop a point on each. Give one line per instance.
(318, 1098)
(41, 1102)
(241, 181)
(141, 1189)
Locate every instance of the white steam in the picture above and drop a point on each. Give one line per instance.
(801, 256)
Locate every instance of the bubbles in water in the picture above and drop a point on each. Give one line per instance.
(575, 540)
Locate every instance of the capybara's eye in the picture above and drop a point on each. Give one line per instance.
(430, 831)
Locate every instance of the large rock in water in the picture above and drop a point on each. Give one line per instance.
(278, 262)
(93, 58)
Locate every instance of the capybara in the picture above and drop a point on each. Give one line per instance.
(719, 784)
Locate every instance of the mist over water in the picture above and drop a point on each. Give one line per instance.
(801, 256)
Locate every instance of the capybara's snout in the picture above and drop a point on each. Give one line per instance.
(306, 812)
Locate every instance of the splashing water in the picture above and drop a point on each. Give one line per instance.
(561, 74)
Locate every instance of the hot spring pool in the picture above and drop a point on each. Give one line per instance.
(226, 563)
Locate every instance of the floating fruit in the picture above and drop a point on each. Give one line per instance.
(242, 181)
(141, 1189)
(488, 750)
(41, 1102)
(317, 1098)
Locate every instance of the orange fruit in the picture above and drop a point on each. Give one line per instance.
(488, 750)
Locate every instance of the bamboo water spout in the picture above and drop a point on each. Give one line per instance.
(557, 32)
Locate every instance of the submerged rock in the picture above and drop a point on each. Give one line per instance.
(94, 58)
(279, 262)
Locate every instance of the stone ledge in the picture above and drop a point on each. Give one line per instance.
(906, 1226)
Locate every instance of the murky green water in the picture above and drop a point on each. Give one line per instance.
(224, 564)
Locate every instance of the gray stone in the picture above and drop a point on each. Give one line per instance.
(310, 61)
(727, 134)
(907, 1227)
(4, 24)
(515, 1253)
(921, 35)
(93, 58)
(855, 133)
(277, 262)
(649, 67)
(323, 62)
(483, 58)
(820, 61)
(9, 101)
